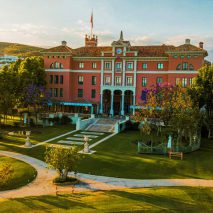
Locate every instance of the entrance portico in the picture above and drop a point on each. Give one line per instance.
(117, 101)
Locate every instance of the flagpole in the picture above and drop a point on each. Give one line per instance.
(91, 22)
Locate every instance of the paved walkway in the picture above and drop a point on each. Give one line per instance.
(42, 185)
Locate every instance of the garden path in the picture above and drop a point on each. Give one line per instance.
(43, 185)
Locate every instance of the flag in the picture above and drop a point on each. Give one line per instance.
(91, 20)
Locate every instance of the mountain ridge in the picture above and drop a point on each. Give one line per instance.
(22, 50)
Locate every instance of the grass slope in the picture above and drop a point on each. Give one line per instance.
(19, 49)
(22, 175)
(174, 199)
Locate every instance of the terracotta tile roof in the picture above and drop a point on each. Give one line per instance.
(152, 51)
(143, 51)
(189, 47)
(59, 49)
(90, 51)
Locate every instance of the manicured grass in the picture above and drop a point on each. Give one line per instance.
(131, 200)
(22, 175)
(118, 157)
(38, 134)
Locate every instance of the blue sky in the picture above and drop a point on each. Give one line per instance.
(144, 22)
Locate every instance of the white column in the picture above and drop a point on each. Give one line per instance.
(102, 72)
(112, 103)
(102, 80)
(101, 102)
(113, 72)
(135, 72)
(134, 102)
(124, 72)
(122, 102)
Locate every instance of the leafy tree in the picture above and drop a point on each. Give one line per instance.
(202, 88)
(32, 71)
(173, 106)
(9, 87)
(61, 158)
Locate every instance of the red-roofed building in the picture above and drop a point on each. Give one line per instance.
(112, 79)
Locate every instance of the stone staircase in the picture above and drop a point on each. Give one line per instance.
(102, 125)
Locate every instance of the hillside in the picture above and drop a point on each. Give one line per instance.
(19, 49)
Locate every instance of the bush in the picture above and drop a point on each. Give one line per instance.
(65, 120)
(68, 180)
(132, 125)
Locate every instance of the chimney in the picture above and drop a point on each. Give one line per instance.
(187, 41)
(201, 45)
(64, 43)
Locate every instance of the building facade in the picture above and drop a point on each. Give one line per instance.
(113, 79)
(6, 59)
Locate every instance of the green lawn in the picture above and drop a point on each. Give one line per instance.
(22, 175)
(38, 134)
(174, 199)
(118, 157)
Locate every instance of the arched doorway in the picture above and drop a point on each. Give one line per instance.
(106, 101)
(117, 102)
(128, 101)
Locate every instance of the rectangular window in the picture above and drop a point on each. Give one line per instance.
(117, 80)
(160, 66)
(129, 81)
(175, 56)
(81, 65)
(182, 56)
(80, 80)
(184, 82)
(129, 65)
(51, 79)
(144, 81)
(55, 92)
(144, 66)
(93, 93)
(159, 80)
(61, 92)
(80, 93)
(107, 80)
(93, 80)
(94, 65)
(107, 65)
(177, 81)
(56, 79)
(51, 92)
(118, 66)
(61, 79)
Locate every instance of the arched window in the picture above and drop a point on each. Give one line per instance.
(52, 66)
(56, 65)
(61, 66)
(185, 66)
(178, 67)
(191, 67)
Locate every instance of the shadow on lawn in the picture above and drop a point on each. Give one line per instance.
(163, 203)
(49, 202)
